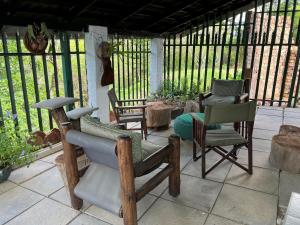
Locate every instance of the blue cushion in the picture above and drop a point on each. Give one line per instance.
(183, 126)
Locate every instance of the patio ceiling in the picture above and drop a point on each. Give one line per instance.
(140, 17)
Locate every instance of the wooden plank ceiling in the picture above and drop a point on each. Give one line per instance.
(140, 17)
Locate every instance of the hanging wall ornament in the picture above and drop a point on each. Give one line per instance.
(36, 38)
(104, 53)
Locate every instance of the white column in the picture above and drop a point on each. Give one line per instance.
(97, 94)
(156, 64)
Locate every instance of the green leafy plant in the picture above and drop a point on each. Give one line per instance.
(14, 149)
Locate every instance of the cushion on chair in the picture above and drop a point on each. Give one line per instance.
(183, 125)
(149, 148)
(79, 112)
(55, 103)
(88, 125)
(216, 100)
(223, 137)
(227, 87)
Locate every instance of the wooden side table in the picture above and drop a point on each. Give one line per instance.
(158, 115)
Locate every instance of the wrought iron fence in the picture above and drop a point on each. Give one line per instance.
(131, 61)
(264, 39)
(26, 78)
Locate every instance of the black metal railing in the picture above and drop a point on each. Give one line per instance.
(26, 78)
(131, 62)
(264, 39)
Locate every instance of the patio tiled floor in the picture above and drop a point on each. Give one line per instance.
(229, 196)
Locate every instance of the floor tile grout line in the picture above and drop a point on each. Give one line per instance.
(25, 210)
(52, 166)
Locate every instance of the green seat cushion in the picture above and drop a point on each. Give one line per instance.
(183, 125)
(223, 137)
(94, 127)
(148, 148)
(216, 100)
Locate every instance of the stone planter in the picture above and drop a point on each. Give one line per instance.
(5, 173)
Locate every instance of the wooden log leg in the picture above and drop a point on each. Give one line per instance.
(59, 115)
(174, 161)
(71, 166)
(126, 170)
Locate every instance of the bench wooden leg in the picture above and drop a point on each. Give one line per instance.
(70, 161)
(128, 196)
(174, 160)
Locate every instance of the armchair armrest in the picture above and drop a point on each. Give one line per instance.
(244, 97)
(203, 96)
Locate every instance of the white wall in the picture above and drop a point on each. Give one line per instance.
(96, 93)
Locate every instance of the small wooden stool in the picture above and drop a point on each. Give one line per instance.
(158, 115)
(285, 149)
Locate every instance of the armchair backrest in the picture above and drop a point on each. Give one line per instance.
(230, 113)
(114, 101)
(227, 87)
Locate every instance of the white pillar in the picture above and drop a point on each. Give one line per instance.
(97, 94)
(156, 64)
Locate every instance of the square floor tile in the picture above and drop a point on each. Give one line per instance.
(292, 121)
(288, 183)
(25, 173)
(168, 213)
(246, 206)
(46, 183)
(6, 186)
(51, 158)
(268, 122)
(270, 112)
(264, 134)
(216, 220)
(139, 181)
(261, 145)
(264, 180)
(108, 217)
(163, 133)
(218, 174)
(15, 201)
(197, 193)
(260, 159)
(46, 212)
(63, 196)
(84, 219)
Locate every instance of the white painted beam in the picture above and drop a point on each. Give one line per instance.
(156, 64)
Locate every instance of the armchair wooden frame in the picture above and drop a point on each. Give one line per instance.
(120, 109)
(128, 171)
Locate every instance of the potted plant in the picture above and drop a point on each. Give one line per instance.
(14, 149)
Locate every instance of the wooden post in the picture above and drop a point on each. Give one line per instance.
(128, 196)
(59, 115)
(174, 161)
(71, 166)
